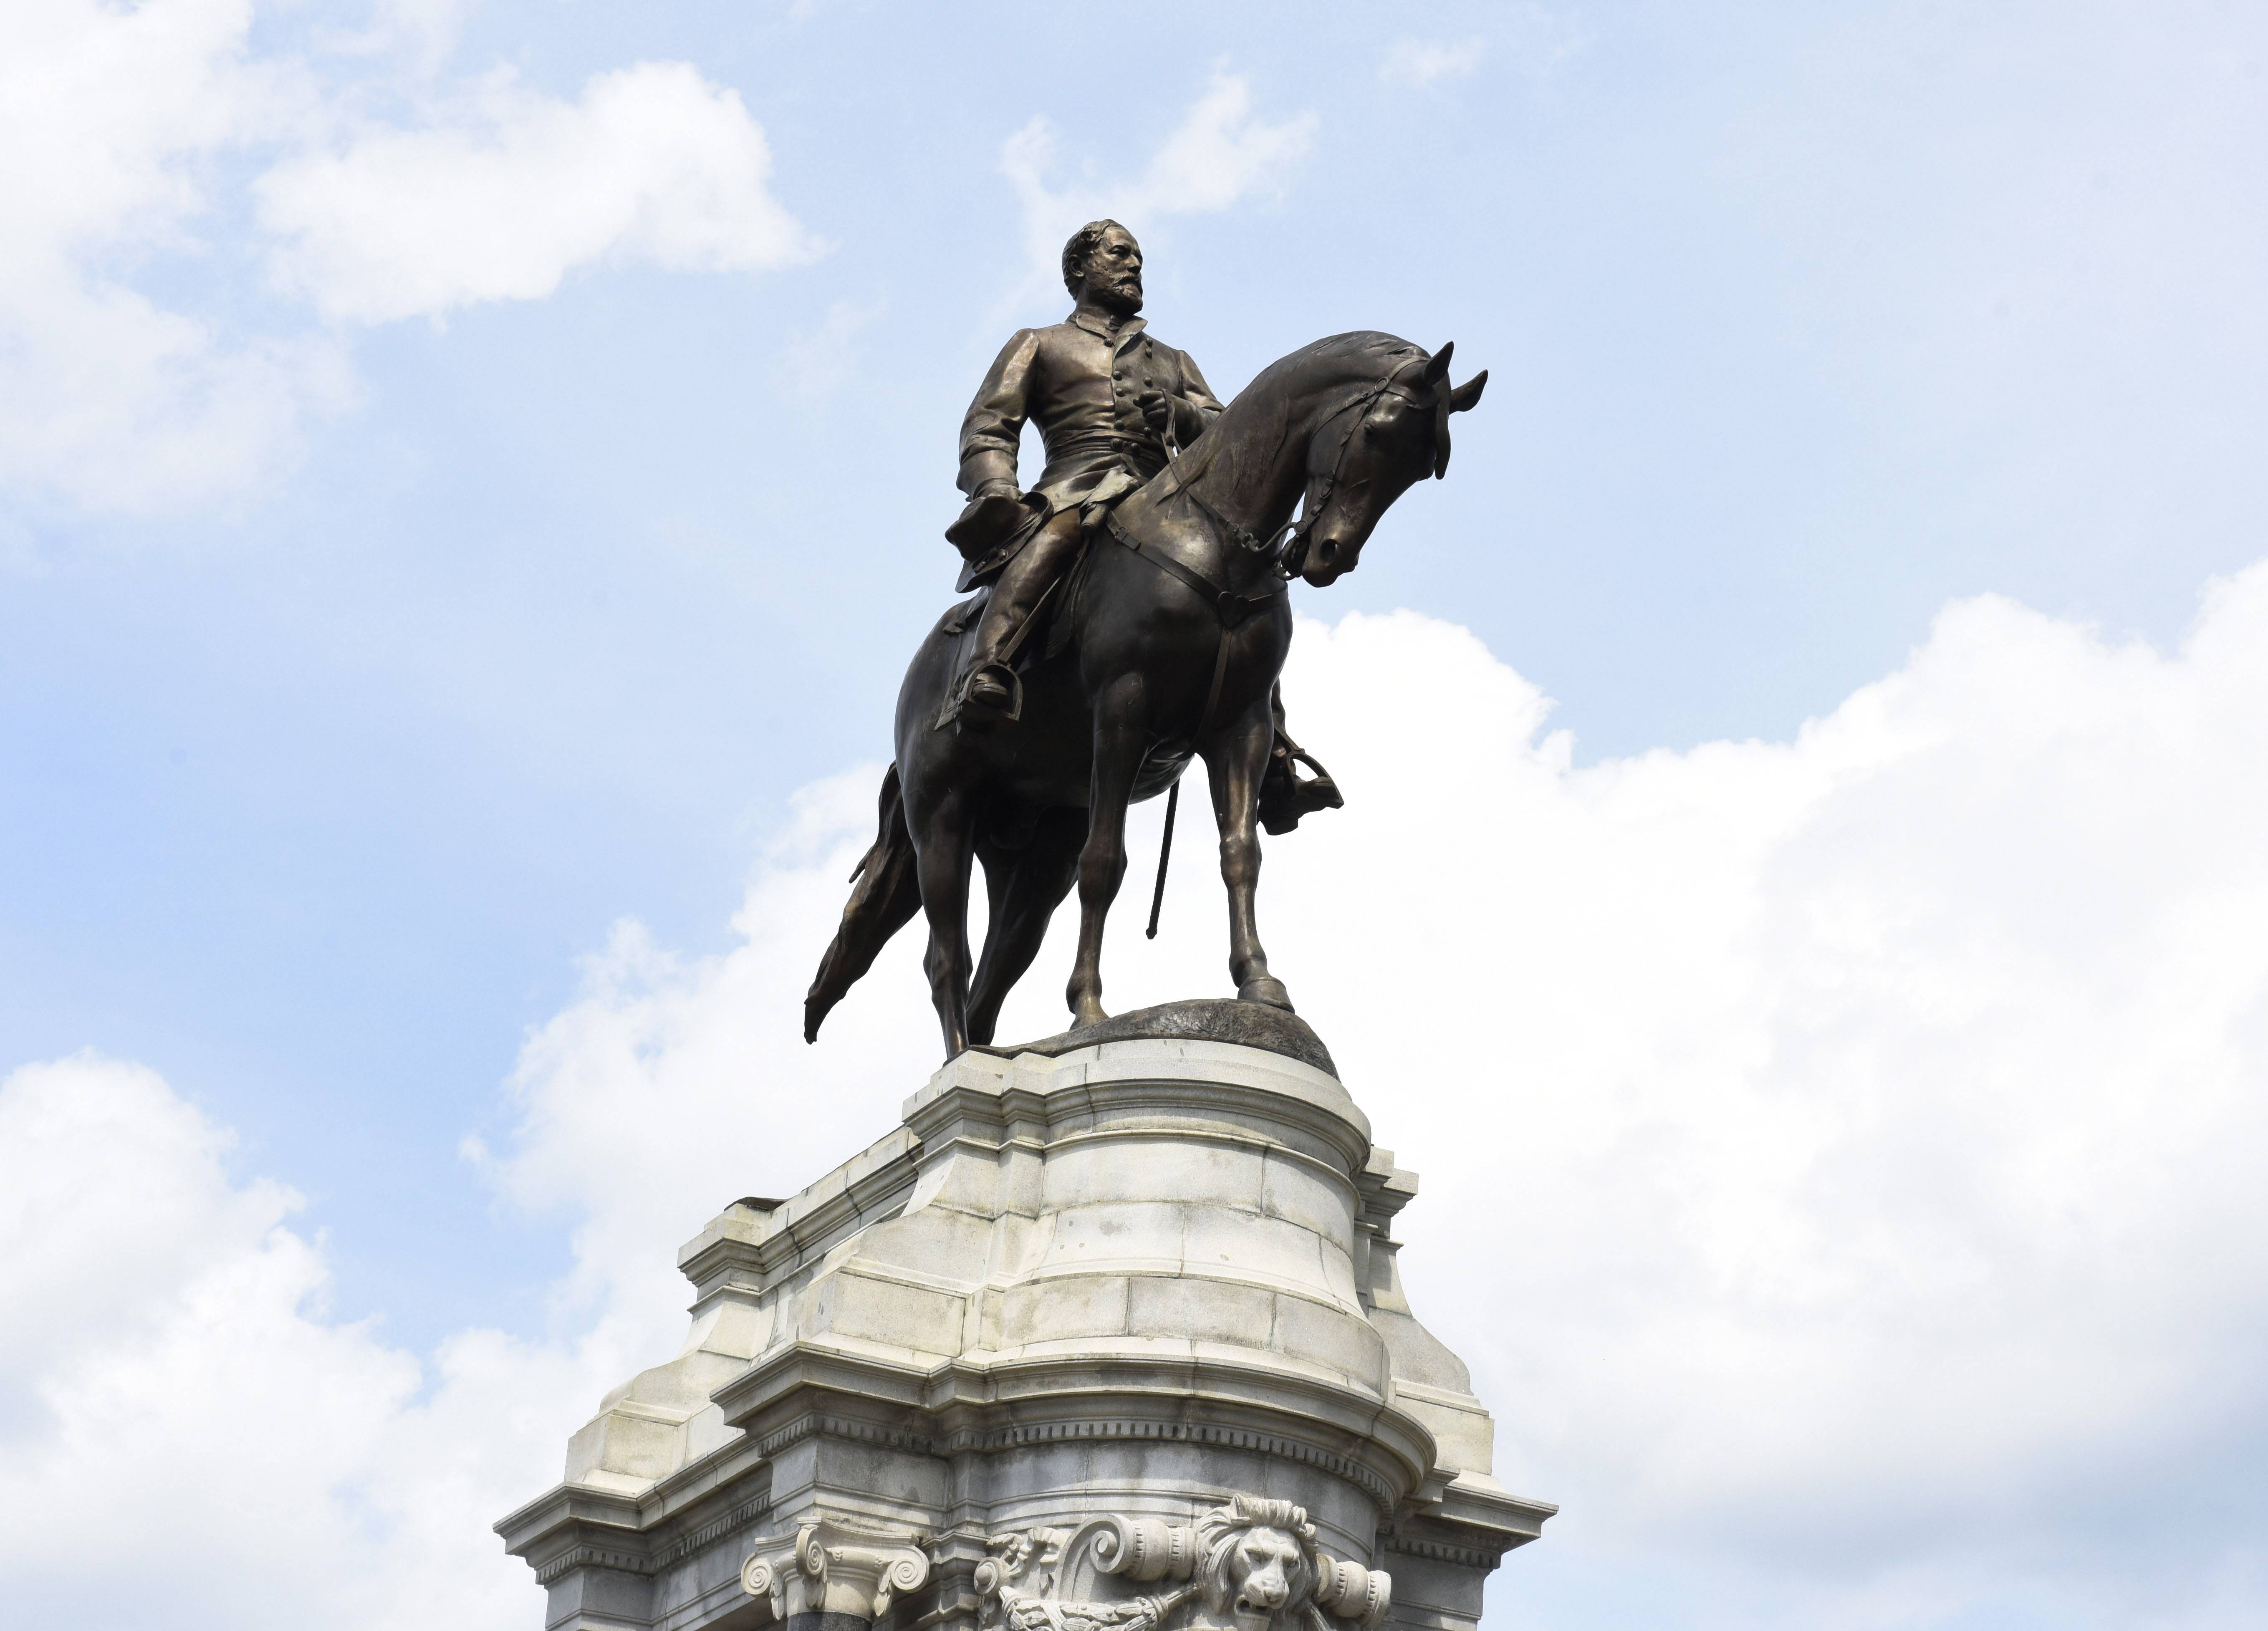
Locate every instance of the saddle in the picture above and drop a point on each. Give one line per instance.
(1045, 636)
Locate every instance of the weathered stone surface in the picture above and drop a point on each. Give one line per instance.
(1207, 1019)
(1121, 1278)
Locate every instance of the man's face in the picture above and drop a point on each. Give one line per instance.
(1114, 272)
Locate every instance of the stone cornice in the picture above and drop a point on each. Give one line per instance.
(754, 1249)
(1443, 1551)
(665, 1523)
(983, 1405)
(566, 1505)
(716, 1529)
(629, 1561)
(1472, 1522)
(1385, 1189)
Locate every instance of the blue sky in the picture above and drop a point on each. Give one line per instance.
(450, 599)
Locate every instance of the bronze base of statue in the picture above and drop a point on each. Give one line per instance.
(1197, 1019)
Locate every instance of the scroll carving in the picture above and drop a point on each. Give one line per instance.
(1251, 1565)
(831, 1569)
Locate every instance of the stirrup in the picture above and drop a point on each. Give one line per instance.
(1286, 796)
(993, 710)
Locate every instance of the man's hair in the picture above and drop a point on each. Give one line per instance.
(1081, 246)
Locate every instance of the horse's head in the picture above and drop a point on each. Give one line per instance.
(1363, 457)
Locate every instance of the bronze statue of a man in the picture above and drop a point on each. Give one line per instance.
(1113, 404)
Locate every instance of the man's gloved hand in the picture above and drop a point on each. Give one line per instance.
(1156, 409)
(995, 511)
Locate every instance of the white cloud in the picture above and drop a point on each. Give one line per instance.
(1420, 63)
(183, 1422)
(1872, 1114)
(1841, 1156)
(1533, 41)
(422, 32)
(652, 164)
(1219, 155)
(131, 134)
(179, 1389)
(110, 119)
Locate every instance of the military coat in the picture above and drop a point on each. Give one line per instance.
(1081, 385)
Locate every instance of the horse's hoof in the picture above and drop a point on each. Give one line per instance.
(1268, 990)
(1085, 1014)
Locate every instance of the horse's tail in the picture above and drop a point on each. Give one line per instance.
(886, 896)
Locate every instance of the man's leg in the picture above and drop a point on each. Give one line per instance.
(1014, 594)
(1284, 795)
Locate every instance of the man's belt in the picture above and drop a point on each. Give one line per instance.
(1106, 441)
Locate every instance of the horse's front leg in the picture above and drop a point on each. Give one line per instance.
(1235, 760)
(1120, 743)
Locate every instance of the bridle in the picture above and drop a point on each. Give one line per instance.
(1286, 548)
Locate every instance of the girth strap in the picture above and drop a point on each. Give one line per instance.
(1231, 608)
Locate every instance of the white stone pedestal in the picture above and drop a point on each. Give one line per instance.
(1104, 1337)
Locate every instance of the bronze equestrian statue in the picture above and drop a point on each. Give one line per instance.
(1150, 625)
(1112, 403)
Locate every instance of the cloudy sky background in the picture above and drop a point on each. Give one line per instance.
(447, 450)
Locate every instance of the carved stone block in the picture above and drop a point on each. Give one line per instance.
(1250, 1565)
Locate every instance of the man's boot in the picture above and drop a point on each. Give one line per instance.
(990, 689)
(991, 685)
(1286, 795)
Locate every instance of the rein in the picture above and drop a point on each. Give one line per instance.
(1290, 547)
(1284, 549)
(1230, 607)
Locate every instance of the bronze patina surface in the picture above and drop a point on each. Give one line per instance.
(1202, 1019)
(1137, 618)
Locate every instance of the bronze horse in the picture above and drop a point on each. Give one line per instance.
(1175, 631)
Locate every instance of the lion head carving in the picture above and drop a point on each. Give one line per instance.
(1251, 1565)
(1257, 1562)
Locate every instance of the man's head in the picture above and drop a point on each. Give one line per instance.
(1104, 264)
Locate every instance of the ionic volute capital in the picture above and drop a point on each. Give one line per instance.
(829, 1568)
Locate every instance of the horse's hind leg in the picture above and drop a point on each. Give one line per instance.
(1235, 760)
(1027, 885)
(1119, 746)
(944, 849)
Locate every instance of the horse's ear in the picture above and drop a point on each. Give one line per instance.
(1438, 370)
(1468, 393)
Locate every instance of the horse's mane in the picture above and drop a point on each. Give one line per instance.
(1363, 357)
(1338, 369)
